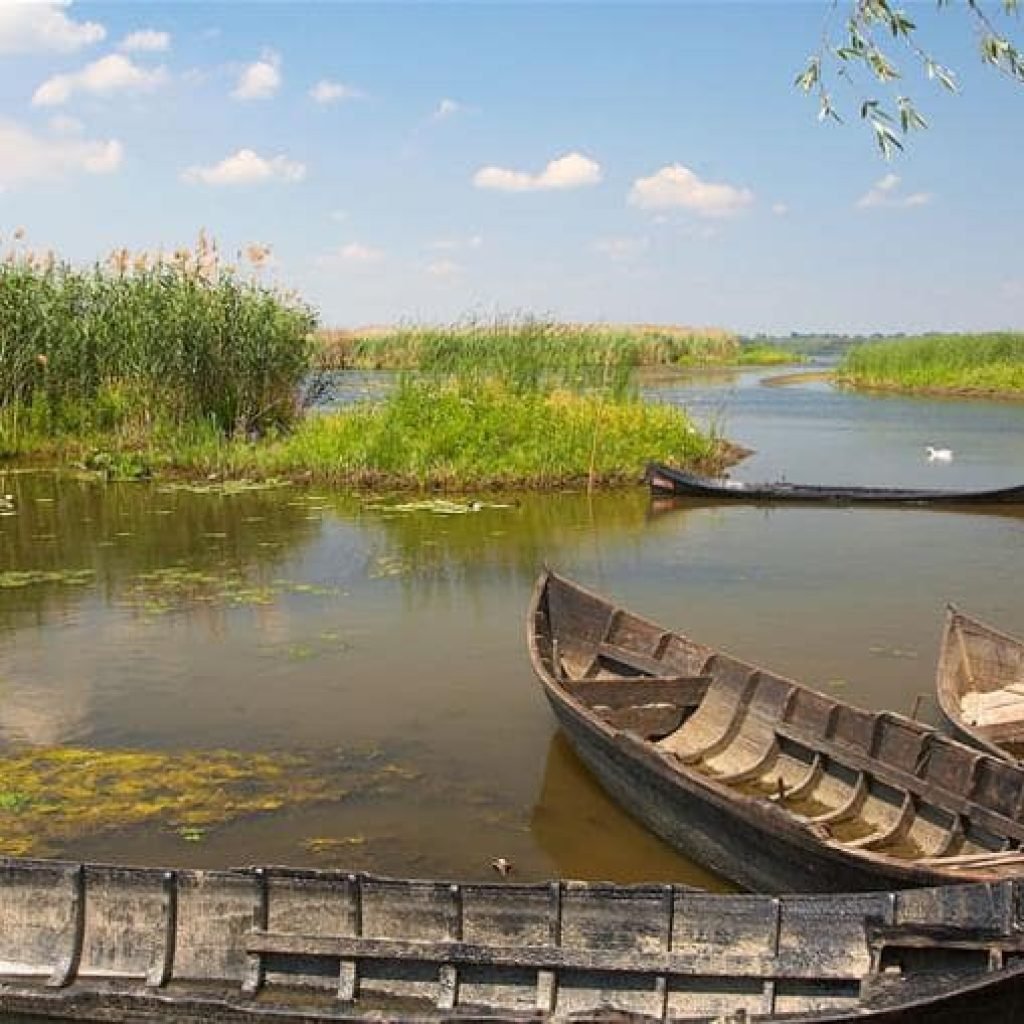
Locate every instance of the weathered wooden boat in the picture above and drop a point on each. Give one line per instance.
(94, 942)
(769, 783)
(980, 685)
(666, 480)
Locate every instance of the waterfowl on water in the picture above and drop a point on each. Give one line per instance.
(939, 454)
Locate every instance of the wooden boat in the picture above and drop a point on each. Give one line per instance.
(665, 480)
(980, 685)
(767, 782)
(94, 942)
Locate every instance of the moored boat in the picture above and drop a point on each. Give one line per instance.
(669, 481)
(95, 942)
(767, 782)
(980, 684)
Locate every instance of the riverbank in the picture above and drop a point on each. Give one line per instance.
(426, 435)
(498, 342)
(957, 365)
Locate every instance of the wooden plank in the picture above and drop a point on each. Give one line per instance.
(712, 961)
(630, 659)
(685, 691)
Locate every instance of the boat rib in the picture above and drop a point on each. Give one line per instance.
(772, 784)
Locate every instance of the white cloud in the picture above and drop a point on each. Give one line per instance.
(455, 244)
(622, 250)
(44, 28)
(27, 157)
(569, 171)
(104, 77)
(780, 209)
(676, 186)
(326, 91)
(146, 40)
(885, 192)
(358, 255)
(444, 270)
(246, 167)
(445, 109)
(259, 80)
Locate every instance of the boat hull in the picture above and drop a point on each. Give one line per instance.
(757, 858)
(667, 481)
(123, 944)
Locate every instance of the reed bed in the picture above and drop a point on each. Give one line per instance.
(458, 434)
(514, 344)
(144, 339)
(955, 363)
(766, 355)
(143, 365)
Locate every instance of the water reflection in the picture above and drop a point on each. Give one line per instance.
(322, 622)
(586, 835)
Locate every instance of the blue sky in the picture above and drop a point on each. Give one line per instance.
(586, 161)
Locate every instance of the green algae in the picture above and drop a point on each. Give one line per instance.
(53, 795)
(13, 578)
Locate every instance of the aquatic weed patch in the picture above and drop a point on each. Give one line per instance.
(14, 579)
(179, 587)
(53, 795)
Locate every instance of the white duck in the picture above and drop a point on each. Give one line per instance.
(939, 454)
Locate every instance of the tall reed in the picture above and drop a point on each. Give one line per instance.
(141, 338)
(954, 362)
(522, 346)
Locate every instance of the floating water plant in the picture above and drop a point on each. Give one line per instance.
(53, 795)
(13, 579)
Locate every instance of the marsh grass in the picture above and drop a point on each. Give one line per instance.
(147, 339)
(766, 355)
(523, 346)
(982, 363)
(461, 433)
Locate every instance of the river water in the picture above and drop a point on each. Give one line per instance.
(356, 631)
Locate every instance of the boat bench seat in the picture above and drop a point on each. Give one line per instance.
(611, 657)
(997, 707)
(618, 693)
(651, 708)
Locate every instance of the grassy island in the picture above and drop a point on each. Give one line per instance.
(182, 363)
(982, 364)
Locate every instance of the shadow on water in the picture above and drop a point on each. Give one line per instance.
(383, 639)
(587, 835)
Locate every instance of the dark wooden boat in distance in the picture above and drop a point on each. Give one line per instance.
(980, 685)
(769, 783)
(667, 481)
(285, 946)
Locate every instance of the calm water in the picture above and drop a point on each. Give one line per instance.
(341, 627)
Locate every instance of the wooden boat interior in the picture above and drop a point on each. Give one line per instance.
(323, 943)
(981, 681)
(867, 780)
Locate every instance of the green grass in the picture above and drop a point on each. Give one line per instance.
(146, 366)
(957, 363)
(766, 355)
(141, 339)
(516, 348)
(453, 435)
